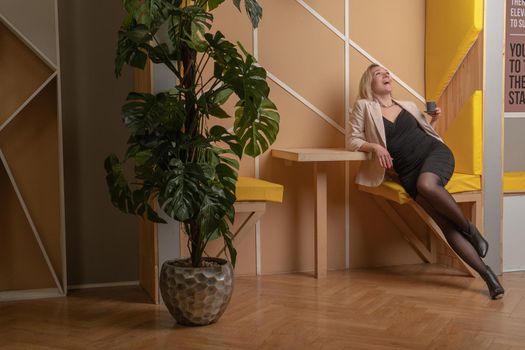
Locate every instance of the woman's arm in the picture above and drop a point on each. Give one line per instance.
(356, 140)
(382, 154)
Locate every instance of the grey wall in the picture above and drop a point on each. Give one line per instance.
(514, 158)
(102, 243)
(493, 131)
(37, 25)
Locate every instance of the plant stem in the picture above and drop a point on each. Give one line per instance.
(168, 62)
(201, 69)
(204, 85)
(195, 243)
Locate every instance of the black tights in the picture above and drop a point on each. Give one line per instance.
(442, 207)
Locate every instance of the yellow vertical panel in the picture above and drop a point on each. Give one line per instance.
(394, 33)
(464, 136)
(451, 28)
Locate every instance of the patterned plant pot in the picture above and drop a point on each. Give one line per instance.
(196, 296)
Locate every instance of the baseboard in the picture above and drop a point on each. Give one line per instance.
(30, 294)
(103, 285)
(514, 270)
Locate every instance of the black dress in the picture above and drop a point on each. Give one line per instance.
(416, 152)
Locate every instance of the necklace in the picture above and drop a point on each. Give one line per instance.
(385, 106)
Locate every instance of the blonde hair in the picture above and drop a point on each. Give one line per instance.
(365, 85)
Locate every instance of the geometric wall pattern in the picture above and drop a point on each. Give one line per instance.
(313, 66)
(32, 241)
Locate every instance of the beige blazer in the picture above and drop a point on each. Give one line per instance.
(366, 125)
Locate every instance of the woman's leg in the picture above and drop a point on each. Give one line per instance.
(456, 240)
(430, 187)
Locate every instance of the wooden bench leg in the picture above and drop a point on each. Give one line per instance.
(441, 237)
(321, 222)
(477, 214)
(256, 211)
(409, 235)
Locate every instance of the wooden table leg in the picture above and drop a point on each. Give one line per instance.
(320, 240)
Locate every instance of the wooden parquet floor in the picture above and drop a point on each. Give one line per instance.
(406, 307)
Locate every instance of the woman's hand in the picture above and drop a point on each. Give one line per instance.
(435, 116)
(383, 156)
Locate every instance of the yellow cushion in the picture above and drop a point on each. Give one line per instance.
(390, 190)
(514, 182)
(452, 26)
(395, 192)
(251, 189)
(464, 136)
(464, 183)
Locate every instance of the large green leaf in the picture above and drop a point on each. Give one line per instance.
(212, 210)
(132, 41)
(119, 190)
(132, 202)
(150, 12)
(253, 9)
(147, 114)
(213, 4)
(220, 134)
(259, 130)
(184, 190)
(188, 25)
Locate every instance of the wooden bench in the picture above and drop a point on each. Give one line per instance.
(429, 251)
(252, 196)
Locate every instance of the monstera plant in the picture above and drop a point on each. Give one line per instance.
(181, 159)
(185, 164)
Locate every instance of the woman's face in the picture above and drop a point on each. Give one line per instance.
(381, 81)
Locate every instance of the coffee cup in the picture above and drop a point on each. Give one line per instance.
(431, 106)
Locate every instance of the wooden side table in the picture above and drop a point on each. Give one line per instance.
(317, 155)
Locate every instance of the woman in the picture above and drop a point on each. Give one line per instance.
(405, 146)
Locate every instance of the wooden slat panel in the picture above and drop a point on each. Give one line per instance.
(148, 250)
(468, 78)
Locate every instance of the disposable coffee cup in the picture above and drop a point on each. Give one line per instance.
(431, 106)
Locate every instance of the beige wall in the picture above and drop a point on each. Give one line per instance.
(309, 58)
(101, 242)
(298, 50)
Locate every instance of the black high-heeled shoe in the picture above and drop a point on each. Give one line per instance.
(496, 290)
(476, 239)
